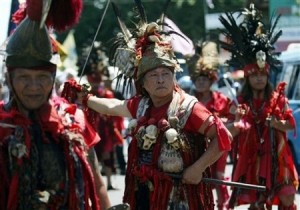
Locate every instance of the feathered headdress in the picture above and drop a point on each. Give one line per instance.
(251, 42)
(143, 48)
(205, 61)
(97, 64)
(30, 44)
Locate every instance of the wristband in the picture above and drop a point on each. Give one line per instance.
(85, 100)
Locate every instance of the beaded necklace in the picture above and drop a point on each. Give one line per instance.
(256, 113)
(256, 118)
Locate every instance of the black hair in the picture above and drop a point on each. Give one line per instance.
(247, 93)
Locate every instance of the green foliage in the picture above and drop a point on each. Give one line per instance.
(187, 14)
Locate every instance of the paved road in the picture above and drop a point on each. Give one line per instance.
(118, 182)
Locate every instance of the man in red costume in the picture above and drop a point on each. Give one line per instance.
(203, 67)
(262, 118)
(108, 127)
(46, 155)
(168, 154)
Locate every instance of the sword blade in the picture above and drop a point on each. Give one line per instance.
(223, 182)
(6, 125)
(235, 184)
(228, 86)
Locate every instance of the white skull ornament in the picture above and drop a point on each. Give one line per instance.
(261, 59)
(150, 137)
(172, 137)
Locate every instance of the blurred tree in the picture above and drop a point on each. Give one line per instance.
(187, 14)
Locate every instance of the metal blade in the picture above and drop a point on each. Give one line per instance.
(235, 184)
(222, 182)
(5, 125)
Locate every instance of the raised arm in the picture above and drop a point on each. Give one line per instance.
(109, 106)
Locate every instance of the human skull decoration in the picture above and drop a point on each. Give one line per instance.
(173, 138)
(261, 59)
(173, 120)
(149, 137)
(18, 150)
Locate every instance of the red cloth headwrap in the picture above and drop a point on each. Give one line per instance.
(254, 68)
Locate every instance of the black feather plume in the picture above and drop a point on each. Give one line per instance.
(248, 37)
(163, 12)
(141, 13)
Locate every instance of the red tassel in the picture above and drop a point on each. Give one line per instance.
(34, 9)
(63, 14)
(70, 90)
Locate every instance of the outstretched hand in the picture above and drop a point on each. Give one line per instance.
(241, 110)
(272, 121)
(73, 91)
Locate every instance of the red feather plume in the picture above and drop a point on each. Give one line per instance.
(63, 14)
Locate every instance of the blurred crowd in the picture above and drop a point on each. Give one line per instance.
(239, 103)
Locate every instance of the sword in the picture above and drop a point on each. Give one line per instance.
(222, 182)
(228, 86)
(235, 184)
(6, 125)
(95, 36)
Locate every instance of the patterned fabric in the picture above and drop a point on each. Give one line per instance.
(52, 172)
(219, 106)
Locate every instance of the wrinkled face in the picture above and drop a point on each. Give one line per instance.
(202, 84)
(159, 82)
(258, 80)
(32, 87)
